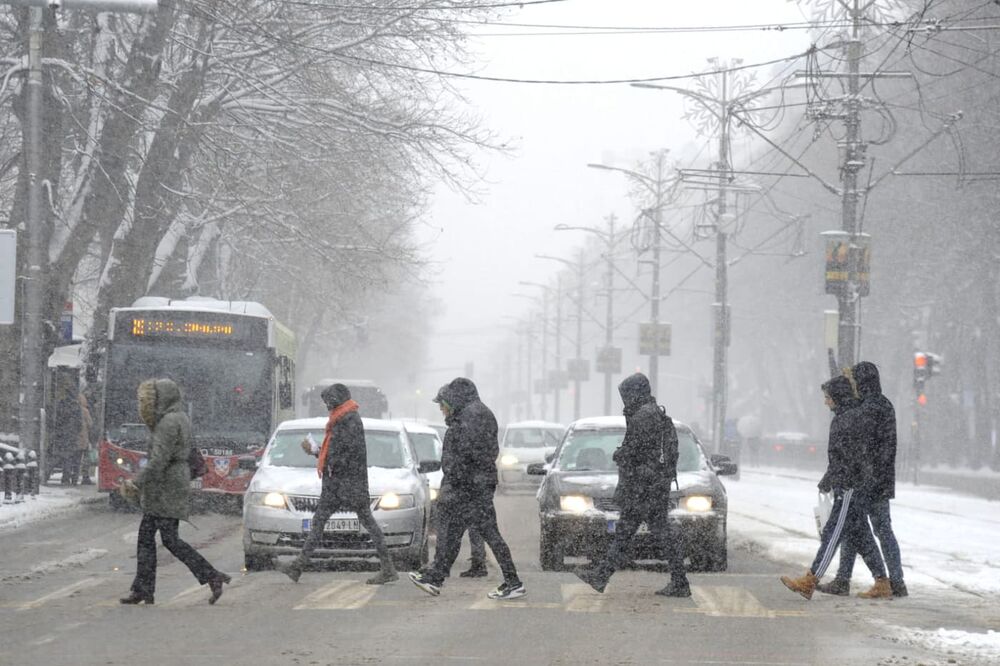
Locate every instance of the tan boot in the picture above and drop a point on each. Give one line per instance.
(880, 590)
(804, 585)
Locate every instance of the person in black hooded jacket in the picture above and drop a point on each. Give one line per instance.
(468, 463)
(848, 476)
(647, 465)
(878, 424)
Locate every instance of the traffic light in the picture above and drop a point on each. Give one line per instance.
(922, 399)
(921, 371)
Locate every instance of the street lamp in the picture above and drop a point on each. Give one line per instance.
(578, 361)
(607, 354)
(657, 187)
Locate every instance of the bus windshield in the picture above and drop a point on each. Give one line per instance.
(227, 393)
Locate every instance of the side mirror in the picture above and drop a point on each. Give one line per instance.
(249, 463)
(428, 466)
(537, 469)
(549, 457)
(723, 465)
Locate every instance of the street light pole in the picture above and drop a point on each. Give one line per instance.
(579, 338)
(721, 337)
(546, 290)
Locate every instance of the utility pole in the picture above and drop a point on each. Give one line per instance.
(557, 373)
(32, 325)
(721, 337)
(609, 315)
(579, 337)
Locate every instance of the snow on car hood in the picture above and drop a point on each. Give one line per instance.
(304, 480)
(603, 484)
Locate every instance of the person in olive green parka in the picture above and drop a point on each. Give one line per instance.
(162, 487)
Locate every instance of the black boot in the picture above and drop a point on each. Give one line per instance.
(593, 578)
(386, 575)
(293, 570)
(216, 586)
(477, 570)
(678, 587)
(898, 588)
(836, 587)
(134, 598)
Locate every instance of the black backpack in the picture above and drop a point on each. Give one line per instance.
(196, 463)
(669, 452)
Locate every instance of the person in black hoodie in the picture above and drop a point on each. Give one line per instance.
(647, 465)
(343, 467)
(878, 422)
(468, 463)
(848, 475)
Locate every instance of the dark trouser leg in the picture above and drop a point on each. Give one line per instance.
(858, 538)
(451, 527)
(620, 550)
(364, 512)
(833, 531)
(324, 509)
(671, 540)
(478, 548)
(183, 551)
(882, 525)
(144, 583)
(483, 519)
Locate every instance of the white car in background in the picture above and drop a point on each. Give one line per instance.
(428, 445)
(524, 443)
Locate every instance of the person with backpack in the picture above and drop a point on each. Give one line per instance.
(647, 467)
(162, 488)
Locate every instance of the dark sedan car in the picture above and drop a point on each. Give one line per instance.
(576, 499)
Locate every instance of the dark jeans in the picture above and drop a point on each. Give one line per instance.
(881, 523)
(464, 509)
(847, 525)
(656, 515)
(478, 548)
(144, 583)
(330, 503)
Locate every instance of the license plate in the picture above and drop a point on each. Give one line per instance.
(335, 525)
(612, 525)
(196, 484)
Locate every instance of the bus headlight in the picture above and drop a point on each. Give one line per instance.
(575, 503)
(507, 460)
(698, 503)
(391, 501)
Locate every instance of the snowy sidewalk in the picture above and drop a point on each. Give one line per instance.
(947, 540)
(51, 500)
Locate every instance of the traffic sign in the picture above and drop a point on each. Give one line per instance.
(654, 339)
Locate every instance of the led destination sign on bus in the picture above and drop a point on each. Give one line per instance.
(145, 327)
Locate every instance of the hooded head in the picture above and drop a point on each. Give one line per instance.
(635, 390)
(866, 376)
(335, 395)
(841, 392)
(458, 393)
(156, 398)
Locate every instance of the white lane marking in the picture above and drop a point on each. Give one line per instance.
(62, 593)
(43, 640)
(581, 598)
(339, 595)
(494, 604)
(727, 601)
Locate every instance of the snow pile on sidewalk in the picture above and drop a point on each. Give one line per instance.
(947, 540)
(966, 644)
(51, 501)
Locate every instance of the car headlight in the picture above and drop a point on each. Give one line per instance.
(434, 494)
(507, 460)
(575, 503)
(391, 501)
(273, 500)
(698, 503)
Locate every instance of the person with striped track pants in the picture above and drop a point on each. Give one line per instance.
(848, 475)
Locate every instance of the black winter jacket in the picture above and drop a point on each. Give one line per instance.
(471, 446)
(346, 472)
(878, 423)
(847, 460)
(649, 436)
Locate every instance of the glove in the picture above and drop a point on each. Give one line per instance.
(824, 486)
(129, 491)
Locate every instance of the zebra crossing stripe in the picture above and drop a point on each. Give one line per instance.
(581, 598)
(61, 593)
(339, 595)
(727, 601)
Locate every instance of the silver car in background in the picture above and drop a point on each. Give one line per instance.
(524, 443)
(280, 500)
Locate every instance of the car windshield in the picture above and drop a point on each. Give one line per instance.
(427, 445)
(385, 449)
(591, 450)
(532, 438)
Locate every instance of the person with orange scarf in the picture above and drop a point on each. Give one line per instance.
(342, 464)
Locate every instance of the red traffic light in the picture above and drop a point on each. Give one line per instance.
(922, 399)
(920, 360)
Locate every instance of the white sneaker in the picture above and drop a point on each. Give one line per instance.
(508, 591)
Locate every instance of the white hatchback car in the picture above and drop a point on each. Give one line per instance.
(280, 500)
(524, 443)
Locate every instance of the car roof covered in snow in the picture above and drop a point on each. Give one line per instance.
(319, 422)
(597, 422)
(535, 424)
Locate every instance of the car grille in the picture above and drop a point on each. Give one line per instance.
(344, 541)
(308, 503)
(605, 504)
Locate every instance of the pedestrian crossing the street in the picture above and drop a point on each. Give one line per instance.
(553, 594)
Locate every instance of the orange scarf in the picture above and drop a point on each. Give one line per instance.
(335, 415)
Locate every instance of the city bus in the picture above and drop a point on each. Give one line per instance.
(235, 365)
(372, 402)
